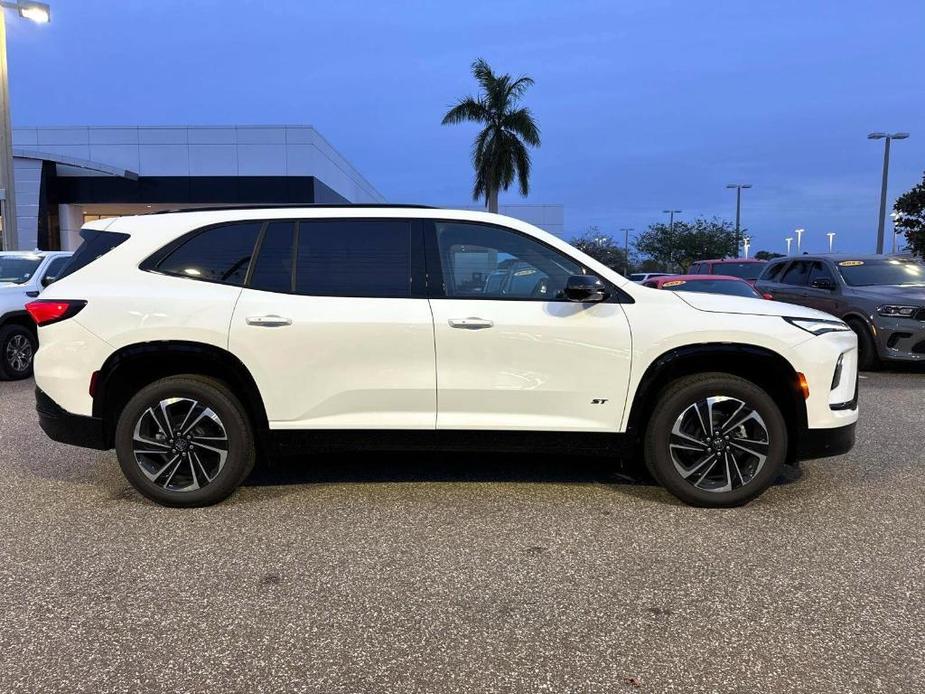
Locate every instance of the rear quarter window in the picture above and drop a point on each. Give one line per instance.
(95, 245)
(219, 254)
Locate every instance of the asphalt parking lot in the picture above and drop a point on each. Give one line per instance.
(464, 574)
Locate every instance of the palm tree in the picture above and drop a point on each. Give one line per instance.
(500, 149)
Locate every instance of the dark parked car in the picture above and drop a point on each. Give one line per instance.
(881, 297)
(747, 269)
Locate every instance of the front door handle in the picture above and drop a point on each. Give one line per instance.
(470, 323)
(271, 321)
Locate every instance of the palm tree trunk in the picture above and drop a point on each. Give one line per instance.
(492, 201)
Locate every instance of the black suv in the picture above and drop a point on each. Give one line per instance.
(881, 297)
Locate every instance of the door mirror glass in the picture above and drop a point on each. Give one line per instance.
(585, 288)
(823, 283)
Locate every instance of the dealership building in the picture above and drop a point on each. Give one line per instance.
(65, 176)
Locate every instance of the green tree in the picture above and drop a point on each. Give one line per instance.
(910, 209)
(499, 152)
(675, 249)
(767, 255)
(603, 248)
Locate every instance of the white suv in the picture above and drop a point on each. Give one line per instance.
(23, 275)
(195, 342)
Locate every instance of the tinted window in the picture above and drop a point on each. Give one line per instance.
(95, 245)
(747, 271)
(273, 265)
(18, 269)
(772, 272)
(218, 254)
(820, 272)
(485, 262)
(354, 258)
(696, 269)
(54, 269)
(797, 274)
(728, 287)
(867, 273)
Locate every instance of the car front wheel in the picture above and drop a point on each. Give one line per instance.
(715, 440)
(185, 441)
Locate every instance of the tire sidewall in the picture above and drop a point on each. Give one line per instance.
(6, 334)
(868, 358)
(241, 454)
(675, 400)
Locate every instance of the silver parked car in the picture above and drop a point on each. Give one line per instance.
(881, 297)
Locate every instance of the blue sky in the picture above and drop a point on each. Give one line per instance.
(643, 104)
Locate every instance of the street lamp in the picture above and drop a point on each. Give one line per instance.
(747, 243)
(887, 138)
(789, 240)
(738, 187)
(831, 236)
(799, 233)
(40, 13)
(671, 214)
(626, 249)
(894, 216)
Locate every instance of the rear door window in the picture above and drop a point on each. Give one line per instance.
(274, 262)
(797, 274)
(95, 245)
(219, 254)
(354, 257)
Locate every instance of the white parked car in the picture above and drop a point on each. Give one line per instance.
(194, 342)
(641, 277)
(23, 275)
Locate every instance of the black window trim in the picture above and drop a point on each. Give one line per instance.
(436, 286)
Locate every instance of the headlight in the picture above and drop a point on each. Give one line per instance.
(897, 310)
(818, 326)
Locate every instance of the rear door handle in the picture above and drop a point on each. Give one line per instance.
(271, 321)
(470, 323)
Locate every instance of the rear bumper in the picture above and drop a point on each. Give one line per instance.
(824, 443)
(72, 429)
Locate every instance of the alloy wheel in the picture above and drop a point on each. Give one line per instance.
(719, 444)
(19, 353)
(180, 444)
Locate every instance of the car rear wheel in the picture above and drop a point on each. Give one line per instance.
(17, 349)
(868, 359)
(715, 440)
(185, 441)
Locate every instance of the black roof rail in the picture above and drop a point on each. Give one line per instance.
(290, 205)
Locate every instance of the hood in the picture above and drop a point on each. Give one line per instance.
(891, 293)
(720, 303)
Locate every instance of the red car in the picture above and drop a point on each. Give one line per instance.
(711, 284)
(747, 269)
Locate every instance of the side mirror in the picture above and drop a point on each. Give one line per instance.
(585, 288)
(823, 283)
(48, 279)
(768, 296)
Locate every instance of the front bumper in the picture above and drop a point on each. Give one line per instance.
(824, 443)
(72, 429)
(901, 339)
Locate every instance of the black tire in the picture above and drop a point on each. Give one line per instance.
(755, 474)
(17, 350)
(868, 359)
(196, 459)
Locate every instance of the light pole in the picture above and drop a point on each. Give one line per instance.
(789, 240)
(887, 138)
(41, 14)
(747, 243)
(894, 216)
(799, 233)
(738, 187)
(671, 214)
(626, 249)
(831, 236)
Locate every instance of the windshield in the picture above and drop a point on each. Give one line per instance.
(747, 271)
(867, 273)
(713, 287)
(18, 269)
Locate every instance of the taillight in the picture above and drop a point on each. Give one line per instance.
(48, 311)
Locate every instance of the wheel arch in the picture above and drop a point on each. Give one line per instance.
(20, 318)
(760, 365)
(134, 366)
